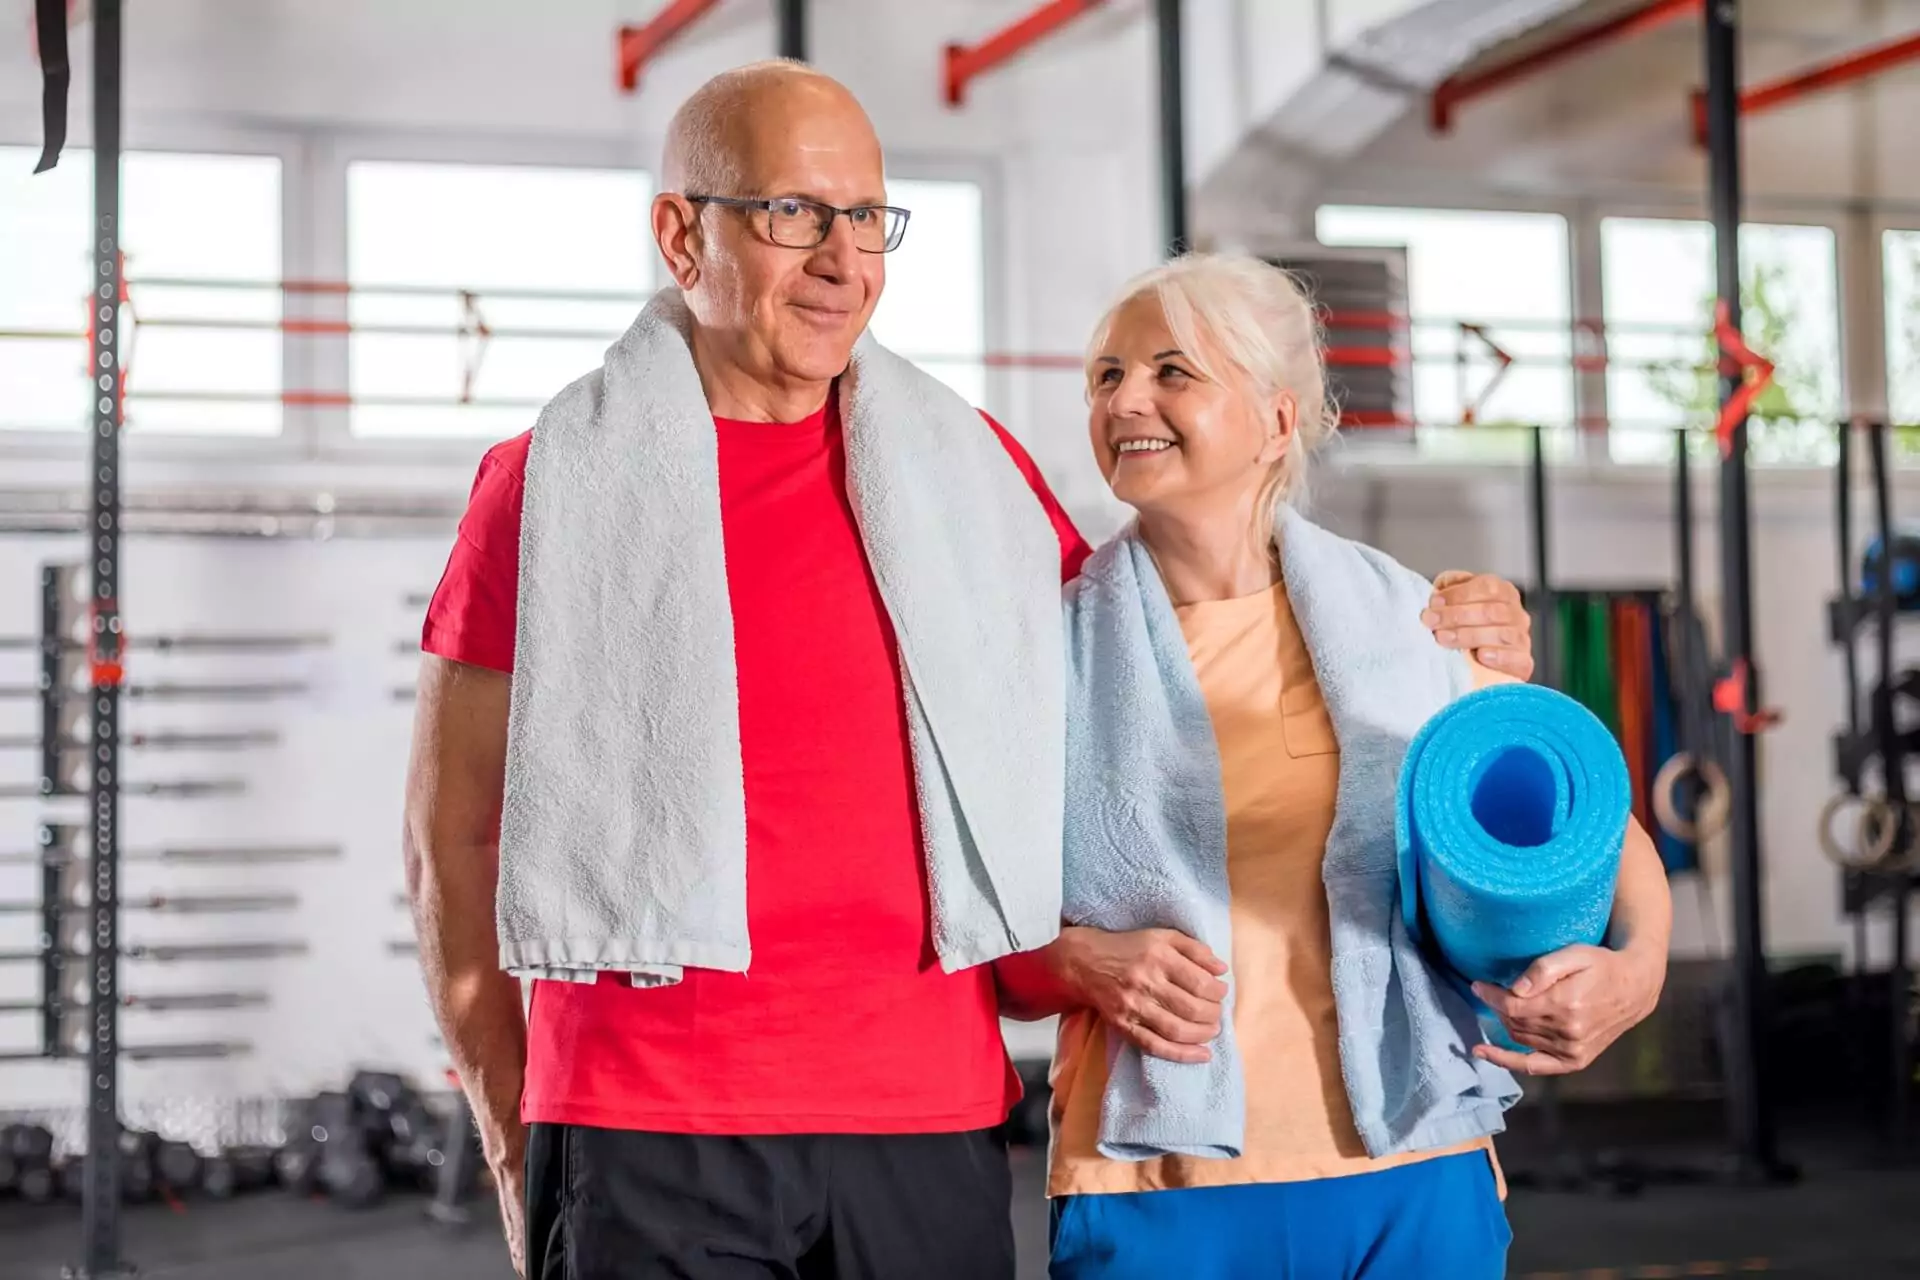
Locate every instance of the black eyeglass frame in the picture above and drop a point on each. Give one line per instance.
(826, 227)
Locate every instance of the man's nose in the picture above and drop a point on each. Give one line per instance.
(837, 257)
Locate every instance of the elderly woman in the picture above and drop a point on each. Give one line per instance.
(1353, 1136)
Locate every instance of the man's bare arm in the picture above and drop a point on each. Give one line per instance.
(451, 843)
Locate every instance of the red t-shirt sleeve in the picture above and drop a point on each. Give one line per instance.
(1073, 548)
(471, 616)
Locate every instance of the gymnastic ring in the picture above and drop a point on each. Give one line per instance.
(1709, 811)
(1877, 839)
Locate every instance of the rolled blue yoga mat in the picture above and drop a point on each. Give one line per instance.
(1512, 807)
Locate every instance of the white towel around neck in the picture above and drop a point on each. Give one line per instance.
(623, 833)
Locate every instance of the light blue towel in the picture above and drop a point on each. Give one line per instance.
(1146, 841)
(1146, 836)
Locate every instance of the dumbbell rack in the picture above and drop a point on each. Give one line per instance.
(76, 904)
(1878, 743)
(72, 750)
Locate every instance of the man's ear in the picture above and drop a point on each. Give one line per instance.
(676, 230)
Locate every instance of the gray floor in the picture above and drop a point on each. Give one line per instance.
(1839, 1223)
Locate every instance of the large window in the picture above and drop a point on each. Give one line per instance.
(1660, 291)
(934, 307)
(1504, 272)
(1900, 263)
(481, 291)
(202, 348)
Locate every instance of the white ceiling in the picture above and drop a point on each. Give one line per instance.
(1614, 120)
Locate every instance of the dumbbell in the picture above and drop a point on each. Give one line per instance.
(28, 1144)
(176, 1166)
(384, 1103)
(349, 1171)
(139, 1180)
(419, 1144)
(38, 1185)
(26, 1161)
(296, 1166)
(236, 1170)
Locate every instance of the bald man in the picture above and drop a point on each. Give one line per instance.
(829, 1110)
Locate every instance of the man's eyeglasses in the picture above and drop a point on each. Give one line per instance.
(804, 224)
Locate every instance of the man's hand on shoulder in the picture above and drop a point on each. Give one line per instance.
(1482, 614)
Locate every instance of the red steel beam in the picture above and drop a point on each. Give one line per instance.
(964, 62)
(1828, 75)
(1455, 90)
(639, 44)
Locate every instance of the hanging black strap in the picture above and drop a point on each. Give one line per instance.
(56, 72)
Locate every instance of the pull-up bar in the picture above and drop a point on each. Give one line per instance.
(1828, 75)
(640, 45)
(964, 62)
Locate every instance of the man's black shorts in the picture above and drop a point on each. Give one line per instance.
(607, 1203)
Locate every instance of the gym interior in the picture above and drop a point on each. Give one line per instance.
(275, 275)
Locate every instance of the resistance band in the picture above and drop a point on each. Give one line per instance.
(1633, 699)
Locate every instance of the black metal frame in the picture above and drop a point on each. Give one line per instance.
(1879, 741)
(52, 677)
(792, 18)
(1749, 1096)
(1544, 613)
(1173, 127)
(53, 961)
(101, 1199)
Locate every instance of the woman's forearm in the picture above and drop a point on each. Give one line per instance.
(1642, 923)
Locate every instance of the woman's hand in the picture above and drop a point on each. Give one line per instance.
(1570, 1005)
(1158, 987)
(1482, 614)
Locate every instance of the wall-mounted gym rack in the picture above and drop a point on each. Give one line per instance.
(1883, 867)
(1689, 791)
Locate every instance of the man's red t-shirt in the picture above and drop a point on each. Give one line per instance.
(845, 1021)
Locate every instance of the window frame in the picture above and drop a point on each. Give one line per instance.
(1775, 212)
(1903, 218)
(332, 429)
(984, 173)
(293, 150)
(1570, 214)
(318, 445)
(1585, 212)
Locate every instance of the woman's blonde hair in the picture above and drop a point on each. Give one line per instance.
(1260, 319)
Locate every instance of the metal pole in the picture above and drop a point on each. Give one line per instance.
(1547, 665)
(1749, 1101)
(792, 16)
(1843, 545)
(1691, 666)
(1173, 125)
(101, 1203)
(1893, 774)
